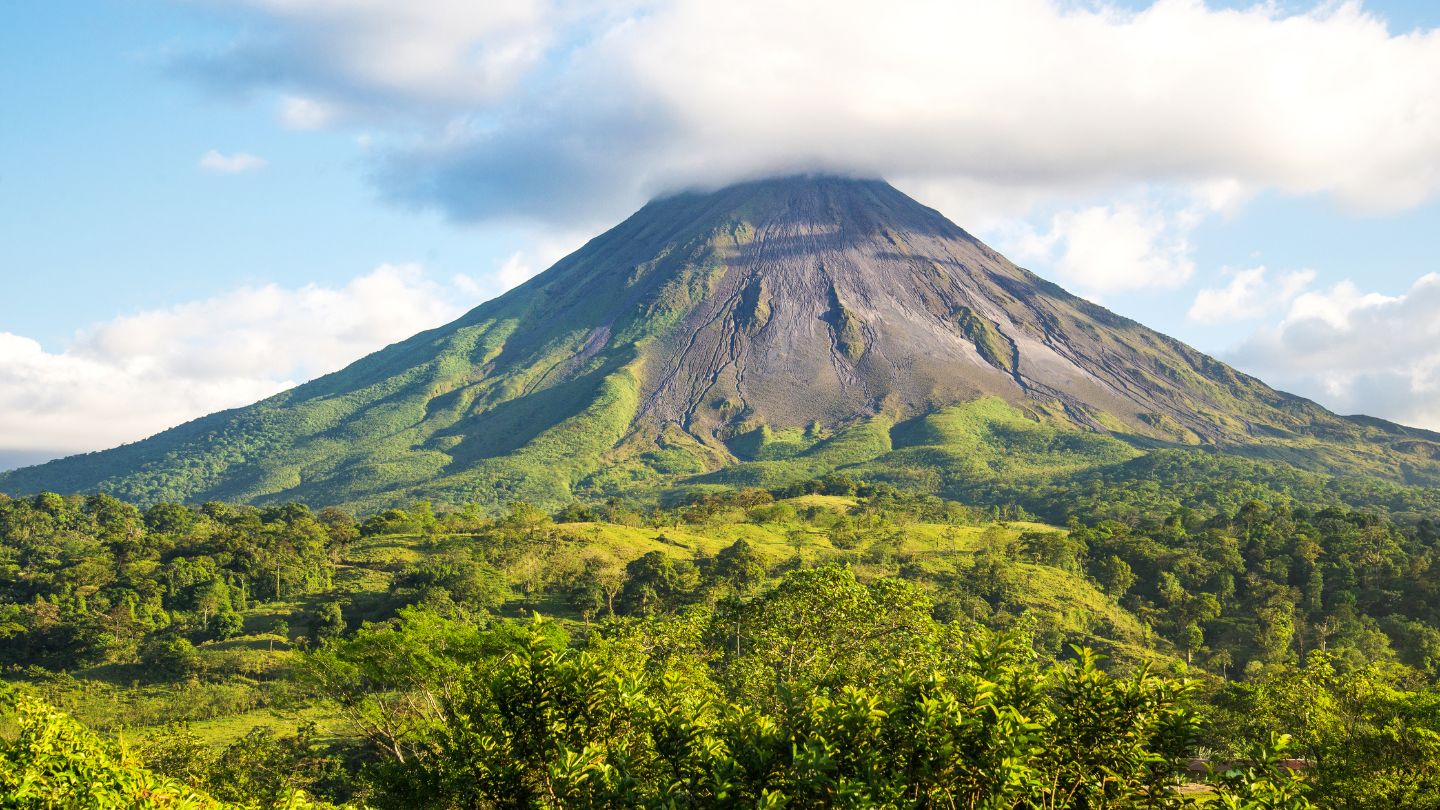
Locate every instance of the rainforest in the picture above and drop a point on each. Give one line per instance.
(829, 643)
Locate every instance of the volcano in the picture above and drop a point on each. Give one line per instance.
(775, 328)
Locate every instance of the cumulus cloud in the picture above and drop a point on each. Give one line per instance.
(1357, 352)
(235, 163)
(554, 110)
(378, 53)
(69, 402)
(297, 112)
(1103, 249)
(1249, 295)
(135, 375)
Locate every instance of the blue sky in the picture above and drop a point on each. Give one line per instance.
(377, 168)
(106, 211)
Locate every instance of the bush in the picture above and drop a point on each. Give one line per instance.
(228, 625)
(170, 657)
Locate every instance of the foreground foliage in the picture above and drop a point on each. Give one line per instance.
(658, 715)
(550, 727)
(825, 643)
(54, 762)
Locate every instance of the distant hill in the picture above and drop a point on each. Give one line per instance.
(767, 331)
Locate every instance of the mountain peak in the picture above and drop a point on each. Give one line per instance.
(692, 335)
(856, 204)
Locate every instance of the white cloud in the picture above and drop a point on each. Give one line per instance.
(545, 251)
(235, 163)
(1110, 248)
(379, 53)
(555, 109)
(133, 376)
(1357, 352)
(56, 404)
(1249, 295)
(516, 270)
(1140, 240)
(522, 265)
(306, 113)
(1337, 306)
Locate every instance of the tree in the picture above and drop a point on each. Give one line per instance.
(340, 525)
(327, 622)
(602, 573)
(393, 680)
(738, 567)
(280, 628)
(266, 769)
(1115, 576)
(653, 583)
(1194, 639)
(211, 599)
(390, 521)
(1055, 549)
(168, 518)
(1119, 738)
(455, 577)
(170, 657)
(1224, 660)
(821, 628)
(228, 625)
(1373, 742)
(1275, 627)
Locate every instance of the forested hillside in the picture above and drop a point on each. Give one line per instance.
(830, 642)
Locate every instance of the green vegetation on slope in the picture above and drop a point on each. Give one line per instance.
(993, 348)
